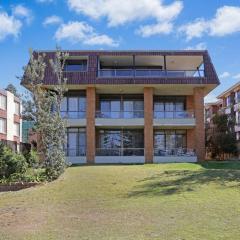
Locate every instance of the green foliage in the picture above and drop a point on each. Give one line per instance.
(11, 163)
(49, 124)
(32, 158)
(11, 88)
(222, 139)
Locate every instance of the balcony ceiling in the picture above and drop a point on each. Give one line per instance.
(172, 62)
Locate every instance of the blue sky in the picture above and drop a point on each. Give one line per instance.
(114, 24)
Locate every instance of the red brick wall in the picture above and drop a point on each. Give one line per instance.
(148, 124)
(199, 129)
(90, 130)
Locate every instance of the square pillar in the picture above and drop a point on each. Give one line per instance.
(199, 128)
(148, 124)
(90, 130)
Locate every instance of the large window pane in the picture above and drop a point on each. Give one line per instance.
(128, 109)
(115, 109)
(2, 125)
(3, 102)
(72, 144)
(64, 105)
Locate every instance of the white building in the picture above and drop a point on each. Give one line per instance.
(10, 119)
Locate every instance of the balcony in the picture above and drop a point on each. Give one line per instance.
(139, 73)
(121, 118)
(75, 155)
(174, 155)
(133, 66)
(174, 118)
(120, 155)
(74, 118)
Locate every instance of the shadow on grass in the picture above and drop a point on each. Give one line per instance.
(180, 181)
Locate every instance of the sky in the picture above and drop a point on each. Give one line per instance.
(120, 25)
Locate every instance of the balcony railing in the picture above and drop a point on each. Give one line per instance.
(120, 114)
(73, 114)
(120, 152)
(74, 152)
(149, 73)
(174, 152)
(173, 114)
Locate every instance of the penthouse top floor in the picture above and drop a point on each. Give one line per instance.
(84, 67)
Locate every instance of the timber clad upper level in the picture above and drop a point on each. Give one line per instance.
(135, 67)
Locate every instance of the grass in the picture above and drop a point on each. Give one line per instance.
(165, 201)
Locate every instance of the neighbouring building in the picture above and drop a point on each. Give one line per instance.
(135, 106)
(231, 106)
(26, 130)
(10, 119)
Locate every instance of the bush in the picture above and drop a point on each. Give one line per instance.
(32, 158)
(11, 163)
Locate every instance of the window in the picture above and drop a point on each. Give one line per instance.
(74, 107)
(3, 102)
(75, 65)
(120, 143)
(76, 142)
(169, 107)
(169, 142)
(118, 107)
(228, 101)
(237, 96)
(17, 108)
(3, 127)
(16, 129)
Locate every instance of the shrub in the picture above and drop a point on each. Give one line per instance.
(11, 163)
(32, 158)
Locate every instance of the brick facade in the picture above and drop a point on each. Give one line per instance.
(199, 128)
(90, 130)
(148, 124)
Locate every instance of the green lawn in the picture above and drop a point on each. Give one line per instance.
(165, 201)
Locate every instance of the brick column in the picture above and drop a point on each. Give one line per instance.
(148, 124)
(199, 129)
(90, 131)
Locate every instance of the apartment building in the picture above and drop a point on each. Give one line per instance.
(231, 105)
(10, 119)
(211, 109)
(135, 106)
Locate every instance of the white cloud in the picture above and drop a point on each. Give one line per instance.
(52, 20)
(210, 98)
(122, 12)
(237, 76)
(225, 75)
(199, 46)
(22, 12)
(194, 29)
(159, 28)
(81, 32)
(118, 13)
(10, 26)
(226, 21)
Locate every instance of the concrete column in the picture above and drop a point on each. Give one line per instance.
(199, 129)
(148, 124)
(90, 131)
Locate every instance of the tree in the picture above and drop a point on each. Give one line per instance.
(222, 139)
(49, 124)
(29, 110)
(11, 88)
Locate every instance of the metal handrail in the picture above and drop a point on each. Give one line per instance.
(120, 114)
(173, 114)
(73, 114)
(149, 73)
(174, 152)
(119, 151)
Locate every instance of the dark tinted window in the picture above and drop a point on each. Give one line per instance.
(75, 65)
